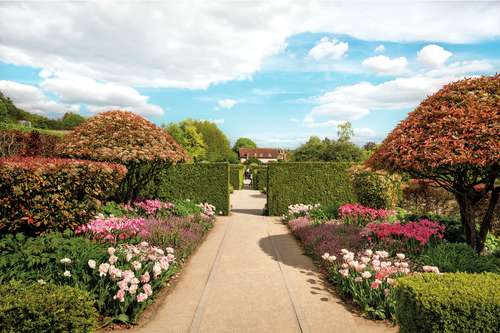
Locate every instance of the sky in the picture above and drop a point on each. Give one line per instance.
(272, 70)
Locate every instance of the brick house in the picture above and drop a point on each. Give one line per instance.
(264, 155)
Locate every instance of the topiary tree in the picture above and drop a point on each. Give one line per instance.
(126, 138)
(452, 138)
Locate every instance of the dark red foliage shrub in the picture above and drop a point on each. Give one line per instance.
(39, 194)
(19, 143)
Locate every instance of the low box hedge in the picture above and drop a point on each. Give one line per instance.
(325, 183)
(451, 302)
(36, 307)
(237, 175)
(199, 182)
(38, 194)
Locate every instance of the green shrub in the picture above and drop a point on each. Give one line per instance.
(259, 178)
(185, 208)
(376, 189)
(452, 302)
(39, 194)
(199, 182)
(325, 183)
(461, 257)
(237, 175)
(39, 307)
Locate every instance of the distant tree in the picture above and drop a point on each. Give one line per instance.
(370, 145)
(310, 151)
(71, 120)
(243, 143)
(345, 132)
(452, 138)
(3, 112)
(253, 160)
(217, 144)
(342, 151)
(188, 136)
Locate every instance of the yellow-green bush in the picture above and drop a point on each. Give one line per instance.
(45, 308)
(199, 182)
(452, 302)
(326, 183)
(376, 189)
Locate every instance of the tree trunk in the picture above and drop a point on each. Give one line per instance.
(488, 218)
(467, 218)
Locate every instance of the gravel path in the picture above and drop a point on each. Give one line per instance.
(250, 275)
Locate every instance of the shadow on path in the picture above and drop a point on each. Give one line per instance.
(248, 211)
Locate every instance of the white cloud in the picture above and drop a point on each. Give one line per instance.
(32, 99)
(433, 56)
(226, 103)
(99, 96)
(379, 49)
(385, 65)
(311, 122)
(339, 111)
(293, 120)
(329, 49)
(198, 43)
(460, 68)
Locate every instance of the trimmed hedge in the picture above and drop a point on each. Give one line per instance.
(452, 302)
(259, 178)
(199, 182)
(376, 189)
(45, 308)
(19, 143)
(237, 175)
(38, 194)
(325, 183)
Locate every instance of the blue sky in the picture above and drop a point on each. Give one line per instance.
(288, 73)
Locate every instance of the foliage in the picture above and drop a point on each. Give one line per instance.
(188, 136)
(411, 237)
(423, 196)
(259, 178)
(459, 258)
(199, 182)
(124, 137)
(70, 120)
(361, 215)
(41, 307)
(19, 143)
(243, 143)
(218, 146)
(237, 173)
(39, 194)
(328, 150)
(456, 302)
(376, 189)
(367, 277)
(345, 132)
(452, 139)
(454, 231)
(308, 183)
(185, 208)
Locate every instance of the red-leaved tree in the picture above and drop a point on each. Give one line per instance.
(453, 138)
(126, 138)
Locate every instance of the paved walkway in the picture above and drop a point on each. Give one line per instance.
(250, 276)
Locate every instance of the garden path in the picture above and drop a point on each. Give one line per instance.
(250, 275)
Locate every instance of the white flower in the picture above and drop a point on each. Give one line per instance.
(169, 250)
(67, 273)
(103, 269)
(344, 272)
(129, 256)
(42, 282)
(325, 256)
(332, 258)
(404, 264)
(358, 279)
(65, 261)
(111, 251)
(92, 263)
(344, 251)
(368, 252)
(136, 265)
(366, 275)
(113, 259)
(400, 256)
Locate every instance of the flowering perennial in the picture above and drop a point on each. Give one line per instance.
(207, 209)
(150, 207)
(114, 228)
(361, 215)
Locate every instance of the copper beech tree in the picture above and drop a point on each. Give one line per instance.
(126, 138)
(453, 138)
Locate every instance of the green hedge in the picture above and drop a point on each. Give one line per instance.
(376, 189)
(452, 302)
(308, 183)
(259, 178)
(200, 182)
(237, 175)
(38, 194)
(45, 308)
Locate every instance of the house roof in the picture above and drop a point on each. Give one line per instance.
(259, 152)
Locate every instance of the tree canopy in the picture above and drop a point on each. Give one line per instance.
(243, 143)
(188, 136)
(452, 137)
(218, 148)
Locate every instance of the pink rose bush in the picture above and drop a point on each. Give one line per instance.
(368, 276)
(361, 215)
(411, 236)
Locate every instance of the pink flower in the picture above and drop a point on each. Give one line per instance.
(430, 269)
(344, 272)
(136, 265)
(169, 250)
(375, 284)
(147, 289)
(360, 268)
(111, 251)
(145, 277)
(103, 269)
(113, 259)
(120, 295)
(132, 289)
(141, 297)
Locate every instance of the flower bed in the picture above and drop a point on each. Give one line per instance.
(361, 215)
(121, 262)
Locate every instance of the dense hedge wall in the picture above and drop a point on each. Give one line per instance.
(308, 183)
(452, 302)
(199, 182)
(237, 176)
(39, 194)
(376, 189)
(259, 177)
(37, 307)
